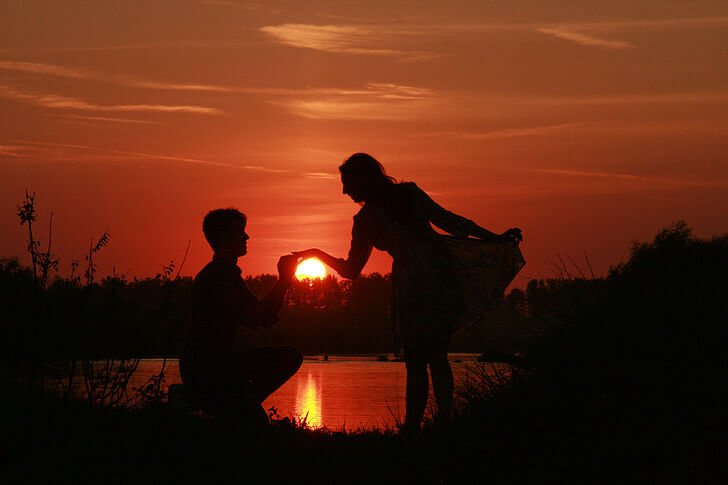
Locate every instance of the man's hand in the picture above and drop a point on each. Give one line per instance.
(287, 267)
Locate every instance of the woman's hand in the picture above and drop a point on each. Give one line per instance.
(308, 253)
(513, 234)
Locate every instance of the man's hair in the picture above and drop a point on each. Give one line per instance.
(217, 223)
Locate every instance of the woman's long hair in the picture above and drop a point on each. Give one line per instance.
(366, 172)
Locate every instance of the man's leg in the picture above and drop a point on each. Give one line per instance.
(265, 369)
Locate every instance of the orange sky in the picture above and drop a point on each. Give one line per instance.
(587, 124)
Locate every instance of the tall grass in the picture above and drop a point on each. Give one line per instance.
(105, 379)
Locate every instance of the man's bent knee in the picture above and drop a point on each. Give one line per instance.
(295, 359)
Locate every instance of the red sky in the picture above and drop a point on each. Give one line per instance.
(587, 124)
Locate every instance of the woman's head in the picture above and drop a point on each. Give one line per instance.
(363, 177)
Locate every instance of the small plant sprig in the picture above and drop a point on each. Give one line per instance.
(93, 249)
(27, 214)
(41, 260)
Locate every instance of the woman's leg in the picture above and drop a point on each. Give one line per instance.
(442, 383)
(417, 389)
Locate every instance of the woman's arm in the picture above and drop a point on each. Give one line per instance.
(348, 268)
(359, 252)
(460, 226)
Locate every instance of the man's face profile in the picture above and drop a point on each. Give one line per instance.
(235, 241)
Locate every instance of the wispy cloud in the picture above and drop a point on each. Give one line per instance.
(385, 40)
(618, 127)
(641, 98)
(135, 155)
(346, 39)
(459, 103)
(20, 151)
(584, 173)
(584, 33)
(374, 39)
(635, 25)
(320, 175)
(126, 153)
(258, 168)
(50, 69)
(393, 102)
(113, 120)
(377, 102)
(585, 39)
(350, 39)
(121, 80)
(506, 132)
(594, 181)
(390, 90)
(239, 4)
(54, 101)
(161, 45)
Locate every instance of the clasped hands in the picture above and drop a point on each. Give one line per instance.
(287, 264)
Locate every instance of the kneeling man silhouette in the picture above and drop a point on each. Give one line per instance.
(218, 376)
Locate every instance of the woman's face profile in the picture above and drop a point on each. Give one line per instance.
(351, 188)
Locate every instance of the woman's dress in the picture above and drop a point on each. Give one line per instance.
(439, 283)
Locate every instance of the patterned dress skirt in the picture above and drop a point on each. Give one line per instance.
(443, 285)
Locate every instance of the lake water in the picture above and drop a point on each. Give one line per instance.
(342, 392)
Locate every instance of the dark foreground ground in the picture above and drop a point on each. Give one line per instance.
(502, 440)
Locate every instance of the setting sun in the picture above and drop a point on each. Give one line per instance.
(310, 269)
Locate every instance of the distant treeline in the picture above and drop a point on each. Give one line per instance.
(149, 317)
(119, 317)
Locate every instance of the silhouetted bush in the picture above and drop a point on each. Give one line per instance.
(629, 373)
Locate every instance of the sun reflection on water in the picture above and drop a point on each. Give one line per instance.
(308, 401)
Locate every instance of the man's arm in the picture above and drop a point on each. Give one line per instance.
(268, 309)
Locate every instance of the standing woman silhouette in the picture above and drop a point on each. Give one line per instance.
(428, 297)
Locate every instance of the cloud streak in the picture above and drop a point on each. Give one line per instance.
(379, 101)
(54, 101)
(121, 80)
(395, 90)
(126, 153)
(622, 128)
(584, 173)
(509, 132)
(585, 39)
(347, 39)
(682, 23)
(376, 101)
(382, 40)
(113, 120)
(19, 151)
(36, 146)
(643, 98)
(48, 69)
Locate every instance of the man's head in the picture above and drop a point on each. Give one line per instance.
(224, 230)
